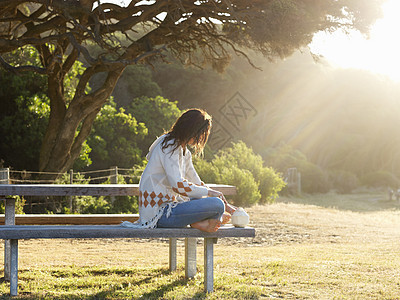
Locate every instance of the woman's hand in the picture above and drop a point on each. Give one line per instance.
(228, 207)
(214, 193)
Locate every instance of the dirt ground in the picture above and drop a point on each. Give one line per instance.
(281, 223)
(285, 223)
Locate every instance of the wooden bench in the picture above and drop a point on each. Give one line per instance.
(72, 219)
(13, 233)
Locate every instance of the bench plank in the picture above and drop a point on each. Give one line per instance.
(114, 231)
(83, 219)
(86, 189)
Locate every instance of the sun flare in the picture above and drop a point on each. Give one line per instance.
(378, 54)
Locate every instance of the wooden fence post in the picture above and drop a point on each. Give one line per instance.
(113, 179)
(5, 176)
(70, 198)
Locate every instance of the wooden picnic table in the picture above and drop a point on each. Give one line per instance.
(12, 233)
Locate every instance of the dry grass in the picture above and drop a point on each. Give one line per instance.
(335, 250)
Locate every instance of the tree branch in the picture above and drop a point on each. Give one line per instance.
(20, 69)
(81, 137)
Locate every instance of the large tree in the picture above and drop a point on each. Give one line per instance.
(196, 32)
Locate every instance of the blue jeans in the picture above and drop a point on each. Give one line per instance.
(193, 211)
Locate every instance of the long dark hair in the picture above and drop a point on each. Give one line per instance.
(193, 125)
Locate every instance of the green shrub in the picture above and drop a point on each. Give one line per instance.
(270, 184)
(343, 182)
(90, 205)
(103, 204)
(206, 170)
(238, 165)
(380, 179)
(19, 205)
(247, 188)
(313, 178)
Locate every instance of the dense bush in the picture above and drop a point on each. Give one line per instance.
(238, 165)
(115, 137)
(19, 205)
(97, 205)
(380, 179)
(158, 114)
(313, 178)
(343, 182)
(283, 157)
(121, 136)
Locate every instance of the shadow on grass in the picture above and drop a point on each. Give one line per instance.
(120, 291)
(157, 293)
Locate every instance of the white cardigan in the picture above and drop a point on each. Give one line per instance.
(169, 178)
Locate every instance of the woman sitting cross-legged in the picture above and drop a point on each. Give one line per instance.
(171, 193)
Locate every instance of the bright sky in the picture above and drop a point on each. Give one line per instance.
(378, 54)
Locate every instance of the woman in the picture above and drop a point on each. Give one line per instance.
(171, 193)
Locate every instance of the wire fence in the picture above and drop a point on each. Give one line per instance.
(113, 175)
(34, 204)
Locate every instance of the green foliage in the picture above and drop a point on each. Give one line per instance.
(343, 182)
(71, 81)
(84, 160)
(90, 205)
(25, 110)
(98, 205)
(192, 86)
(158, 114)
(248, 192)
(115, 137)
(238, 165)
(82, 204)
(283, 157)
(270, 184)
(122, 204)
(136, 81)
(19, 205)
(313, 178)
(247, 188)
(207, 171)
(22, 131)
(380, 179)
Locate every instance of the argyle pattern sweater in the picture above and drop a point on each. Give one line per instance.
(169, 178)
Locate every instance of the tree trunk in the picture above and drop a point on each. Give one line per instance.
(69, 127)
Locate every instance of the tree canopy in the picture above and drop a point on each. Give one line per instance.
(195, 32)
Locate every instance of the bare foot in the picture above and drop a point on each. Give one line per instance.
(226, 217)
(209, 225)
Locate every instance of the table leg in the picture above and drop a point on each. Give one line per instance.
(9, 219)
(190, 257)
(14, 267)
(209, 264)
(172, 254)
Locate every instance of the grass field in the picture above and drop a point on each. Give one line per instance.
(312, 247)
